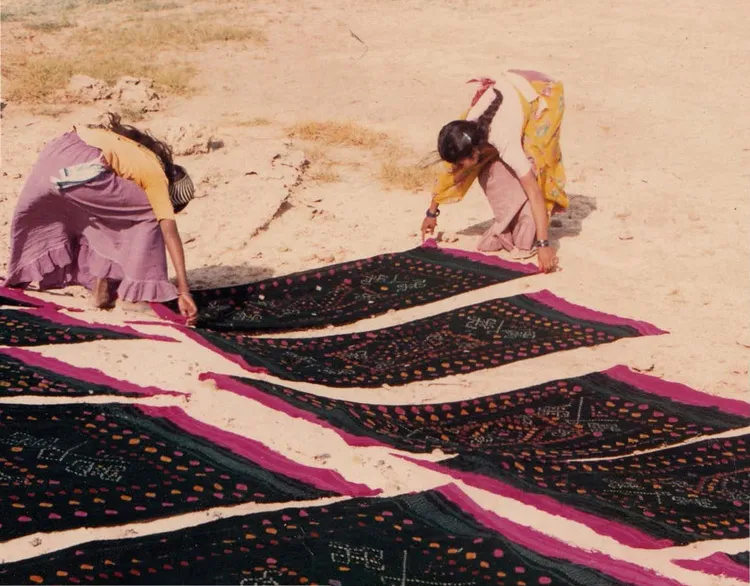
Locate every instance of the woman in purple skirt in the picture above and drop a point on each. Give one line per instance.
(98, 210)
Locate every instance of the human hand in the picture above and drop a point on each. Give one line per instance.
(188, 308)
(547, 259)
(428, 226)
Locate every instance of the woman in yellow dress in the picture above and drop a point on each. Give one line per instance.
(509, 138)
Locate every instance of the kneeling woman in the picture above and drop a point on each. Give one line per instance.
(510, 139)
(98, 210)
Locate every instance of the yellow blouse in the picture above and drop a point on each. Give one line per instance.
(134, 162)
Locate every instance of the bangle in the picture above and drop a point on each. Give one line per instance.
(183, 293)
(541, 243)
(430, 214)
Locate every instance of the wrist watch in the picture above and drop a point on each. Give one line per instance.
(541, 243)
(429, 214)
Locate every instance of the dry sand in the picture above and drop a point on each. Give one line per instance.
(655, 146)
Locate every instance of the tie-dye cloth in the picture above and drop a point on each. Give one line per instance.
(77, 465)
(436, 538)
(476, 337)
(346, 292)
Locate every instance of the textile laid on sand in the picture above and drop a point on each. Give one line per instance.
(436, 538)
(68, 466)
(347, 292)
(484, 335)
(27, 373)
(39, 327)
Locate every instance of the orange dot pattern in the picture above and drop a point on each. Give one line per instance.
(69, 466)
(413, 540)
(592, 416)
(24, 328)
(684, 494)
(346, 292)
(18, 378)
(480, 336)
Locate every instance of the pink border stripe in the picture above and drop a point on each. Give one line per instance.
(163, 312)
(227, 383)
(193, 335)
(622, 533)
(19, 295)
(549, 546)
(486, 259)
(578, 311)
(90, 375)
(265, 457)
(676, 391)
(717, 564)
(66, 320)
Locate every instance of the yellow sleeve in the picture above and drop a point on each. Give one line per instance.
(136, 163)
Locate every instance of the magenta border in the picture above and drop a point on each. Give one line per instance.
(227, 383)
(676, 391)
(93, 376)
(163, 312)
(265, 457)
(578, 311)
(549, 546)
(66, 320)
(18, 295)
(485, 259)
(717, 564)
(196, 337)
(622, 533)
(36, 302)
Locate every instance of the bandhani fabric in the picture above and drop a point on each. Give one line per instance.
(69, 466)
(675, 496)
(461, 341)
(599, 415)
(38, 327)
(16, 298)
(27, 373)
(347, 292)
(436, 538)
(735, 566)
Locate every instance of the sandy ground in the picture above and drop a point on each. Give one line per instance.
(657, 159)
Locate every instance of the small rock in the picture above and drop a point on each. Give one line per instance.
(136, 93)
(625, 236)
(88, 89)
(192, 139)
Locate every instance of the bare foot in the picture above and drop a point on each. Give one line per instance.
(101, 295)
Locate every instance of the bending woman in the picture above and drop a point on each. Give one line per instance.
(510, 139)
(98, 210)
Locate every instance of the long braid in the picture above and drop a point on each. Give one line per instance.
(485, 119)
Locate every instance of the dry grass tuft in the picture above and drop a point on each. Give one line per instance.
(257, 121)
(341, 134)
(51, 110)
(325, 176)
(143, 46)
(50, 26)
(410, 177)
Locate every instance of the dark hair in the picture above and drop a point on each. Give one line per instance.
(458, 139)
(159, 148)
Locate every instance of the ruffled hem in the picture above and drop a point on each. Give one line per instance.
(58, 268)
(151, 291)
(54, 269)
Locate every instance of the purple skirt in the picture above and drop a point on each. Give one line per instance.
(105, 228)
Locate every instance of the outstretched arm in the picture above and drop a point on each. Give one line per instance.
(547, 257)
(177, 255)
